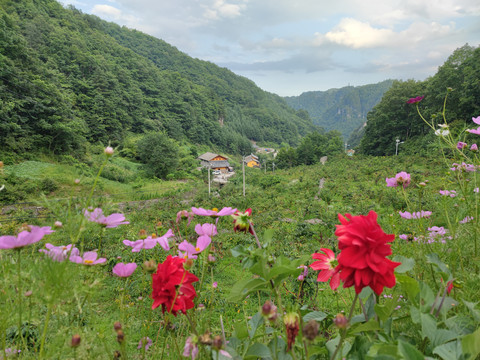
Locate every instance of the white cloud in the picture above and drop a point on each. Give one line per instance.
(357, 34)
(107, 11)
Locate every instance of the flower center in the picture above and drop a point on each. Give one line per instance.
(88, 261)
(197, 249)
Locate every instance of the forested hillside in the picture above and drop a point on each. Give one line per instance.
(68, 79)
(343, 109)
(393, 118)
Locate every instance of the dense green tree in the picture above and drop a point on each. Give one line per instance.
(159, 153)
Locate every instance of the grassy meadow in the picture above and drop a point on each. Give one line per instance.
(431, 312)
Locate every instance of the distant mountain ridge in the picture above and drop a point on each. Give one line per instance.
(343, 109)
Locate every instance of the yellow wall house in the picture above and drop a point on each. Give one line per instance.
(252, 161)
(214, 161)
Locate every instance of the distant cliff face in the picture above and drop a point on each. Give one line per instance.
(343, 109)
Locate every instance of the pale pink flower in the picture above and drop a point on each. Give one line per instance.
(59, 253)
(461, 145)
(474, 147)
(476, 120)
(191, 349)
(30, 235)
(124, 270)
(226, 211)
(163, 240)
(206, 229)
(474, 131)
(110, 221)
(89, 258)
(148, 243)
(402, 179)
(466, 220)
(415, 215)
(187, 250)
(185, 215)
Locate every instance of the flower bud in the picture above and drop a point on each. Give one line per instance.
(205, 339)
(76, 181)
(291, 326)
(217, 343)
(120, 336)
(117, 326)
(117, 354)
(142, 234)
(1, 164)
(187, 265)
(28, 293)
(108, 151)
(150, 266)
(211, 259)
(75, 342)
(58, 224)
(310, 330)
(341, 321)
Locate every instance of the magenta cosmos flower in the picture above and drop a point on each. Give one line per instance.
(415, 100)
(59, 253)
(327, 264)
(124, 270)
(461, 145)
(402, 178)
(89, 258)
(474, 131)
(30, 234)
(476, 120)
(138, 245)
(226, 211)
(110, 221)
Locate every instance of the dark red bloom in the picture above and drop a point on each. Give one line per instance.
(362, 261)
(241, 221)
(292, 327)
(172, 286)
(415, 100)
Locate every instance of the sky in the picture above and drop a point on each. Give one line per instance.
(288, 47)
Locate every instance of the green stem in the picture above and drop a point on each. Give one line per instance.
(20, 296)
(44, 333)
(344, 331)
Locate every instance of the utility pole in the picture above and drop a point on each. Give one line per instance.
(397, 142)
(273, 167)
(209, 167)
(243, 170)
(346, 145)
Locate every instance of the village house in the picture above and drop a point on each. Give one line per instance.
(252, 161)
(214, 161)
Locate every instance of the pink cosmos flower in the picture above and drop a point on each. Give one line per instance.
(163, 240)
(463, 167)
(185, 215)
(124, 270)
(148, 243)
(415, 100)
(206, 229)
(476, 120)
(110, 221)
(29, 235)
(461, 145)
(304, 274)
(402, 178)
(189, 251)
(59, 253)
(215, 284)
(226, 211)
(327, 264)
(466, 220)
(403, 236)
(451, 193)
(474, 131)
(145, 342)
(89, 258)
(415, 215)
(474, 147)
(191, 348)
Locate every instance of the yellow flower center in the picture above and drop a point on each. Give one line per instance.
(197, 249)
(154, 236)
(88, 261)
(215, 209)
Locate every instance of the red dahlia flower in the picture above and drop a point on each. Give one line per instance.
(172, 286)
(362, 261)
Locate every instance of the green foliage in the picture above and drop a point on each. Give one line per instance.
(393, 118)
(69, 79)
(159, 153)
(343, 109)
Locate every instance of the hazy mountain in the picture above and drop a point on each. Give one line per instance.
(343, 109)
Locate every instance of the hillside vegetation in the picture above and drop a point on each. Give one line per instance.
(68, 79)
(343, 109)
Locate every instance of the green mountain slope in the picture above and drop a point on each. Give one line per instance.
(68, 79)
(343, 109)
